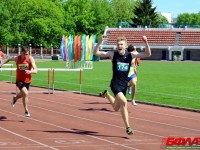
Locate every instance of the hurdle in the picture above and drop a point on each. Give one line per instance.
(14, 69)
(50, 79)
(8, 65)
(66, 69)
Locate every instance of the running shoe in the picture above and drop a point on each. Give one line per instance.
(129, 91)
(133, 102)
(129, 131)
(27, 114)
(102, 94)
(13, 101)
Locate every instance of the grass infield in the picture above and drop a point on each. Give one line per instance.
(173, 83)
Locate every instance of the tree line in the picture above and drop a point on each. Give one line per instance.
(44, 22)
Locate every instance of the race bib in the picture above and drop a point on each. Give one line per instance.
(23, 66)
(122, 66)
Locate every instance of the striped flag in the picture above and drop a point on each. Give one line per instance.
(79, 48)
(70, 48)
(89, 47)
(83, 47)
(93, 47)
(62, 48)
(86, 46)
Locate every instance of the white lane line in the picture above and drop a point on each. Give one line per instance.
(156, 122)
(24, 137)
(91, 120)
(163, 114)
(182, 117)
(166, 124)
(101, 139)
(111, 114)
(79, 117)
(147, 133)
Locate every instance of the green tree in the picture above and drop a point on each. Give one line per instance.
(145, 14)
(35, 22)
(123, 9)
(5, 31)
(162, 21)
(190, 20)
(104, 15)
(79, 17)
(46, 24)
(45, 21)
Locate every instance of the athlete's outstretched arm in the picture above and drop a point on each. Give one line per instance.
(102, 54)
(147, 51)
(7, 60)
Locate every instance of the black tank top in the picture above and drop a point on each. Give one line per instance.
(121, 66)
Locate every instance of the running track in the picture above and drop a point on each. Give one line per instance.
(63, 121)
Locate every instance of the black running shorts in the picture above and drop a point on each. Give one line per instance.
(21, 84)
(118, 88)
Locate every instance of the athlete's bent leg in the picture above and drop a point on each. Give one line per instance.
(123, 107)
(24, 92)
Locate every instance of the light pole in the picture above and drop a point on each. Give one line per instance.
(30, 49)
(41, 49)
(19, 49)
(51, 49)
(7, 50)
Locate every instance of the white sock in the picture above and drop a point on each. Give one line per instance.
(133, 102)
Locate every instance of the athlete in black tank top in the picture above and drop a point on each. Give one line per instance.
(121, 62)
(121, 66)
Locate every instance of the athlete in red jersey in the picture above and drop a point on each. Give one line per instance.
(25, 68)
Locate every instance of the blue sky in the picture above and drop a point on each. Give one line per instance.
(175, 7)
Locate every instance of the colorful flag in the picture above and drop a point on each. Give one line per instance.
(93, 47)
(79, 48)
(70, 48)
(62, 47)
(83, 47)
(89, 47)
(86, 46)
(66, 48)
(76, 48)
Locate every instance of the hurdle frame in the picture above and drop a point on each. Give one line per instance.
(50, 80)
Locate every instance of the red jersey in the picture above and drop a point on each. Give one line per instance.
(137, 61)
(23, 65)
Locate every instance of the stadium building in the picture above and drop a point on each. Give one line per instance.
(181, 44)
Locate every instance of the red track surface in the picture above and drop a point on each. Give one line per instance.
(62, 121)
